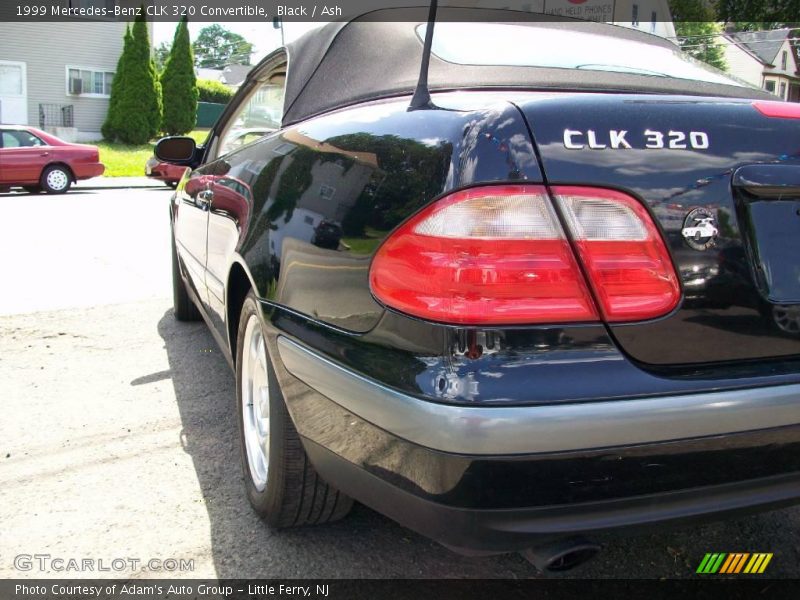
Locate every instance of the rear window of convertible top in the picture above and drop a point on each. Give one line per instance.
(504, 44)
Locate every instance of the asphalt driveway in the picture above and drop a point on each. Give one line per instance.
(118, 434)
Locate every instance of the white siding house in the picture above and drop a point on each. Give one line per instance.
(650, 16)
(57, 76)
(765, 59)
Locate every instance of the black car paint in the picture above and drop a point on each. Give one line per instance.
(325, 294)
(365, 170)
(734, 323)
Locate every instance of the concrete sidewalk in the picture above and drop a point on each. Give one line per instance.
(108, 183)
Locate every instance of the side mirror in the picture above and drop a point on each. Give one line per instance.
(175, 149)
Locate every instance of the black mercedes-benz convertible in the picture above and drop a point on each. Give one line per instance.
(508, 283)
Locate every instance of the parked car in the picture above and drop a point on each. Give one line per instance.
(37, 161)
(491, 346)
(171, 174)
(164, 171)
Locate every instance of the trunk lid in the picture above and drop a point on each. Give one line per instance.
(722, 181)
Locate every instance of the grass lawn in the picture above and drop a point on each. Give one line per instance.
(122, 160)
(367, 243)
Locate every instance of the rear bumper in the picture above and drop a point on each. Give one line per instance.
(495, 430)
(470, 530)
(88, 170)
(495, 479)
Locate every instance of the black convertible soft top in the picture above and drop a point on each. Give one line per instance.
(378, 55)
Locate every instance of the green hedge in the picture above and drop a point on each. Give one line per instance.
(213, 91)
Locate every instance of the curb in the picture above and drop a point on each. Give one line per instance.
(119, 187)
(116, 183)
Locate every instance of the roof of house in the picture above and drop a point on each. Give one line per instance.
(205, 73)
(234, 74)
(763, 45)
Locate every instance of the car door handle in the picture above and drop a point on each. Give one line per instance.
(768, 181)
(44, 154)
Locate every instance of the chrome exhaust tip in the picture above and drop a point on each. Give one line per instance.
(561, 555)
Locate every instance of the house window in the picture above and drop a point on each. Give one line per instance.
(769, 85)
(784, 59)
(81, 82)
(283, 149)
(783, 90)
(326, 192)
(11, 80)
(635, 15)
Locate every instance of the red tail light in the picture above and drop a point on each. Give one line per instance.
(780, 110)
(498, 255)
(623, 253)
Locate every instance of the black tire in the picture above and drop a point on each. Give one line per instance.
(54, 173)
(785, 320)
(32, 189)
(182, 305)
(294, 494)
(172, 184)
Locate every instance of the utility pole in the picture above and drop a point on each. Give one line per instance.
(277, 23)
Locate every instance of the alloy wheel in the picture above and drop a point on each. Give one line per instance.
(787, 318)
(255, 402)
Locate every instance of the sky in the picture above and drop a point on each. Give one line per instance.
(262, 35)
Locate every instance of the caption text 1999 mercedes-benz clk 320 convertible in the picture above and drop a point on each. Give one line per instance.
(544, 286)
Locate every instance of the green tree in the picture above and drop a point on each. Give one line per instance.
(179, 85)
(763, 14)
(698, 33)
(702, 41)
(114, 116)
(161, 54)
(216, 47)
(136, 116)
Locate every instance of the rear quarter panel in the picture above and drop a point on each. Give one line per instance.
(318, 198)
(323, 196)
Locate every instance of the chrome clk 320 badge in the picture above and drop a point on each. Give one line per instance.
(622, 139)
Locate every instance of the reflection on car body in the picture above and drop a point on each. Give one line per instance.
(494, 338)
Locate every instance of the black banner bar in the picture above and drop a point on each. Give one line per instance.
(215, 11)
(347, 589)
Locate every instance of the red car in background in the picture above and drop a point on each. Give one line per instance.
(172, 174)
(166, 172)
(38, 161)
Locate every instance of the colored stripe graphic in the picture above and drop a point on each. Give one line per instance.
(734, 563)
(732, 558)
(758, 563)
(711, 562)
